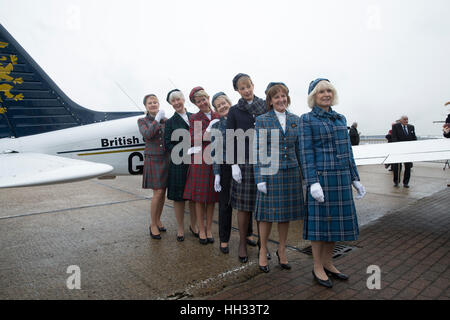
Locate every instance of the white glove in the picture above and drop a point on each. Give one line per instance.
(160, 115)
(360, 189)
(236, 173)
(211, 124)
(217, 185)
(317, 192)
(194, 150)
(262, 187)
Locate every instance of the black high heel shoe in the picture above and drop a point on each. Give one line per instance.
(325, 283)
(269, 256)
(243, 259)
(286, 266)
(195, 234)
(162, 229)
(251, 242)
(224, 250)
(154, 236)
(335, 275)
(266, 268)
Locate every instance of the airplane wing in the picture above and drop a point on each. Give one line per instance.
(31, 169)
(408, 151)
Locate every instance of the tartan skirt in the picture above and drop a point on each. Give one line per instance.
(283, 201)
(200, 184)
(177, 181)
(243, 195)
(335, 219)
(155, 172)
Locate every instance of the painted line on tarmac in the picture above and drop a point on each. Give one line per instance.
(69, 209)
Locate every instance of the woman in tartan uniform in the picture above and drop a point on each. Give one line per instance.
(200, 179)
(222, 173)
(243, 188)
(156, 161)
(178, 172)
(329, 171)
(279, 197)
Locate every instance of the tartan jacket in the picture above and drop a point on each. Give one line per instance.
(288, 142)
(324, 144)
(153, 134)
(200, 117)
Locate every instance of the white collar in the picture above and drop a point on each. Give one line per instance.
(280, 113)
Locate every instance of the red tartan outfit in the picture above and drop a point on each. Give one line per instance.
(200, 180)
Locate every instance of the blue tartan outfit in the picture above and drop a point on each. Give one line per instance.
(326, 156)
(283, 201)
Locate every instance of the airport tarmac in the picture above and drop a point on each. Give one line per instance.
(101, 226)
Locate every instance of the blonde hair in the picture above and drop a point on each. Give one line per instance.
(225, 97)
(201, 93)
(243, 79)
(322, 85)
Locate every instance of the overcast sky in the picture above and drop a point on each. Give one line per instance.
(386, 58)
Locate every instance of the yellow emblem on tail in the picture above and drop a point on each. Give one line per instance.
(5, 72)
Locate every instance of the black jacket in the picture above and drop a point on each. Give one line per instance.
(399, 135)
(447, 135)
(354, 136)
(239, 119)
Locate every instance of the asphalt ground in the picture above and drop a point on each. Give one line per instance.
(99, 228)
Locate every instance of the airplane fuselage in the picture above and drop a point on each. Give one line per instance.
(116, 142)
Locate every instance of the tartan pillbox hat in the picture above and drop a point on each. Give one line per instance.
(194, 91)
(314, 83)
(271, 84)
(218, 94)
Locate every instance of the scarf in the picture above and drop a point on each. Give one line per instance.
(331, 114)
(256, 108)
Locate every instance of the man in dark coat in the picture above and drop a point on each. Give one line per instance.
(354, 135)
(446, 127)
(402, 131)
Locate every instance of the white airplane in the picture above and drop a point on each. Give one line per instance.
(47, 138)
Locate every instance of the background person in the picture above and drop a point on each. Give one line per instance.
(354, 134)
(178, 172)
(402, 131)
(389, 140)
(329, 171)
(156, 161)
(280, 193)
(446, 126)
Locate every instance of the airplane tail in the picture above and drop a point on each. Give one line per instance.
(31, 103)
